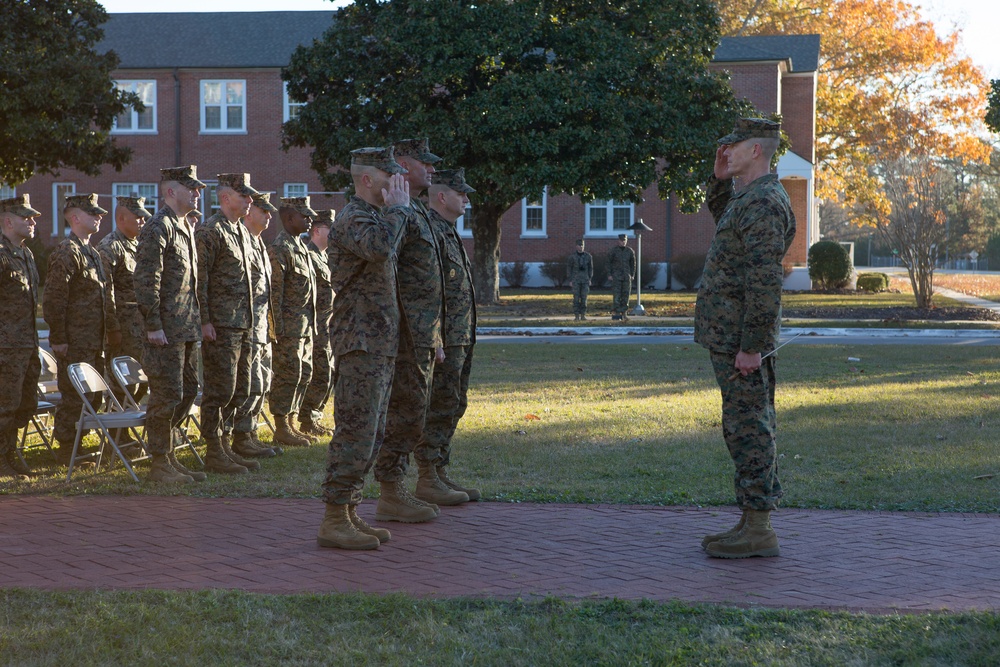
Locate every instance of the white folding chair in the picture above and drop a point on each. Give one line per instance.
(132, 379)
(40, 423)
(88, 382)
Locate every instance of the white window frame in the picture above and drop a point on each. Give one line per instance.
(288, 105)
(609, 205)
(209, 199)
(296, 190)
(150, 191)
(129, 85)
(533, 206)
(463, 231)
(223, 107)
(7, 192)
(59, 226)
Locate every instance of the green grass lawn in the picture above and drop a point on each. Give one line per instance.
(904, 428)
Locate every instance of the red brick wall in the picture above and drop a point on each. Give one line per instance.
(798, 110)
(757, 82)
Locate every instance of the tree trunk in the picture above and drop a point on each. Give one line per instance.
(486, 253)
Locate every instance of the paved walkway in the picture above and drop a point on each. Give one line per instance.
(830, 559)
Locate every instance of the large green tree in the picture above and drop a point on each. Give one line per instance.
(58, 100)
(596, 99)
(993, 110)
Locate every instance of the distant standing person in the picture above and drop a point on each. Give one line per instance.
(621, 269)
(581, 272)
(321, 383)
(117, 250)
(738, 317)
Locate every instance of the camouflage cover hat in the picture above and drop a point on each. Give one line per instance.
(752, 128)
(300, 204)
(187, 176)
(19, 205)
(416, 148)
(325, 217)
(380, 158)
(623, 237)
(86, 203)
(262, 200)
(579, 241)
(135, 205)
(452, 178)
(238, 182)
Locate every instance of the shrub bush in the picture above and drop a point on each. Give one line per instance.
(515, 273)
(600, 278)
(687, 268)
(829, 265)
(649, 272)
(556, 270)
(873, 282)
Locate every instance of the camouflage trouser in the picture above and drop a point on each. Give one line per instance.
(226, 368)
(291, 363)
(68, 410)
(748, 426)
(173, 387)
(411, 391)
(321, 383)
(580, 293)
(245, 420)
(449, 400)
(621, 290)
(361, 386)
(18, 390)
(132, 342)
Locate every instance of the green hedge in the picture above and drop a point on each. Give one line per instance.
(873, 282)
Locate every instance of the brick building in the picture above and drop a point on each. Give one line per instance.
(212, 86)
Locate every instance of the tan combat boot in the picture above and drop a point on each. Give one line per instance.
(216, 459)
(396, 504)
(338, 531)
(257, 444)
(442, 472)
(7, 471)
(431, 489)
(718, 537)
(244, 446)
(249, 464)
(382, 534)
(311, 428)
(284, 435)
(755, 539)
(162, 471)
(195, 475)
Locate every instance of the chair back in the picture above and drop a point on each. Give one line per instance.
(131, 378)
(47, 380)
(86, 379)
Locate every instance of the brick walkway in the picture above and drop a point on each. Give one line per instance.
(830, 559)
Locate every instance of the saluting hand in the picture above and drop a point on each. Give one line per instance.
(721, 163)
(398, 193)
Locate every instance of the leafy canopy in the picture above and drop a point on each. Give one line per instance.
(59, 101)
(993, 111)
(596, 99)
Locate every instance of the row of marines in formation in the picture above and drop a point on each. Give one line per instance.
(378, 307)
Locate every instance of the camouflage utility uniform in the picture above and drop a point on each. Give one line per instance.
(260, 343)
(118, 255)
(581, 272)
(76, 308)
(621, 269)
(421, 297)
(293, 316)
(449, 392)
(364, 330)
(166, 288)
(321, 384)
(18, 342)
(739, 309)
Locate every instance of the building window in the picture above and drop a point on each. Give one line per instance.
(607, 216)
(292, 109)
(147, 190)
(59, 193)
(6, 192)
(223, 106)
(138, 121)
(460, 223)
(296, 189)
(210, 199)
(533, 218)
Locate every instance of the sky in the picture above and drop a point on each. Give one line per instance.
(977, 19)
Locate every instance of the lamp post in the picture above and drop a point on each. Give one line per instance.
(638, 227)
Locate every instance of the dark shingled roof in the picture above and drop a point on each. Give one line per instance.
(213, 39)
(801, 50)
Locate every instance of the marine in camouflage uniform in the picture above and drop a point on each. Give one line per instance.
(76, 308)
(321, 384)
(737, 318)
(293, 317)
(450, 387)
(364, 330)
(224, 294)
(18, 334)
(245, 440)
(166, 289)
(621, 269)
(117, 251)
(581, 272)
